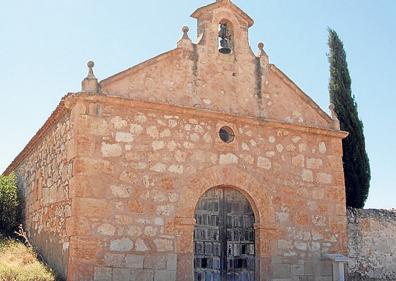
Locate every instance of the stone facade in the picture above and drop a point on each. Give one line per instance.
(372, 245)
(44, 179)
(140, 149)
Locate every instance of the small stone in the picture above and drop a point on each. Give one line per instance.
(140, 246)
(103, 274)
(284, 245)
(298, 161)
(114, 260)
(322, 148)
(123, 137)
(106, 229)
(290, 147)
(135, 231)
(140, 118)
(159, 221)
(279, 148)
(152, 131)
(172, 123)
(159, 196)
(150, 231)
(122, 274)
(118, 122)
(180, 156)
(171, 145)
(121, 245)
(296, 139)
(302, 246)
(166, 210)
(188, 145)
(270, 153)
(324, 178)
(264, 163)
(302, 147)
(313, 163)
(229, 158)
(177, 169)
(159, 167)
(245, 146)
(163, 245)
(247, 158)
(120, 191)
(207, 138)
(165, 133)
(199, 129)
(136, 129)
(157, 145)
(194, 137)
(134, 261)
(307, 175)
(111, 150)
(315, 246)
(272, 139)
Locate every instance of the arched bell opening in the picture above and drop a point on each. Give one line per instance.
(224, 236)
(226, 37)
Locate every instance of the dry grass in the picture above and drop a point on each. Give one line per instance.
(19, 263)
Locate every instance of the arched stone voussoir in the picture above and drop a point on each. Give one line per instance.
(255, 191)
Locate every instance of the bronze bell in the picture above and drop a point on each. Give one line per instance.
(225, 39)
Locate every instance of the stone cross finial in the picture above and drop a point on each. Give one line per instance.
(90, 65)
(262, 54)
(185, 30)
(90, 83)
(336, 121)
(185, 41)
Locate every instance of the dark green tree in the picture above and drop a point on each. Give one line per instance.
(9, 216)
(356, 162)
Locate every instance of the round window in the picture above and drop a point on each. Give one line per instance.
(226, 134)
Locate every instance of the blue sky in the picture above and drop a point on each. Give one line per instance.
(45, 45)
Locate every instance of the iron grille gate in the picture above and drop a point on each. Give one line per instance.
(224, 237)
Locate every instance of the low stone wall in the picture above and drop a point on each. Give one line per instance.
(372, 245)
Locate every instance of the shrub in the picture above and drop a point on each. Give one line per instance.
(8, 204)
(20, 263)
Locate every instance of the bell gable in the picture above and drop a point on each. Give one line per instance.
(219, 72)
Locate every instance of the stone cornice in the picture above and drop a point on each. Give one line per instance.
(71, 99)
(119, 101)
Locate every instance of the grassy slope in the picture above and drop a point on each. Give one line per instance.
(19, 263)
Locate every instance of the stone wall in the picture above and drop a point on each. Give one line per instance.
(140, 169)
(372, 244)
(43, 178)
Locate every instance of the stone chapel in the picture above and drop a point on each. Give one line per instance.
(203, 163)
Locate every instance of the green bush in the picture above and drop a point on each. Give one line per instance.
(8, 204)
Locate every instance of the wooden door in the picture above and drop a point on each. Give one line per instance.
(224, 237)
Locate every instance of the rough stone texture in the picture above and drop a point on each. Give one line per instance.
(44, 181)
(372, 245)
(140, 154)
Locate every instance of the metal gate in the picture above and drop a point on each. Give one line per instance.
(224, 237)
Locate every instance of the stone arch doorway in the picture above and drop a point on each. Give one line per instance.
(224, 237)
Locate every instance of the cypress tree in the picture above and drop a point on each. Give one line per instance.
(356, 162)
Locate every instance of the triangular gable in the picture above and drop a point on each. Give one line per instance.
(301, 94)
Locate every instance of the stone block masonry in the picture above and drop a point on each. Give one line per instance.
(372, 245)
